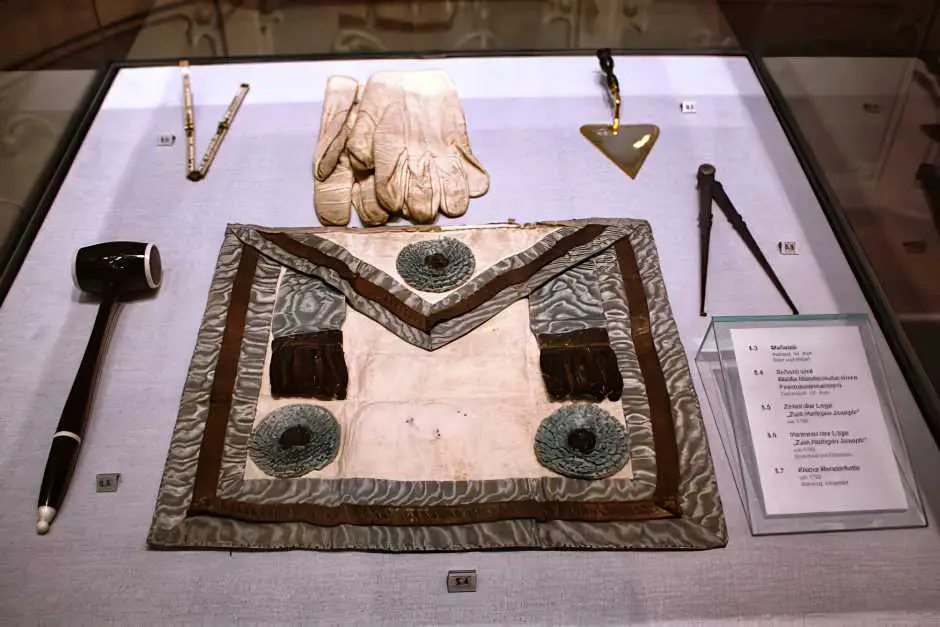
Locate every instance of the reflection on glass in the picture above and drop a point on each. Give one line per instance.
(35, 111)
(91, 32)
(872, 126)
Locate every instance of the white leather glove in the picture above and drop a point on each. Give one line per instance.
(412, 130)
(337, 185)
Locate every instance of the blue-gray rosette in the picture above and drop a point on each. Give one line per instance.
(437, 265)
(582, 441)
(294, 440)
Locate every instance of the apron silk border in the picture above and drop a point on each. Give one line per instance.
(664, 432)
(220, 399)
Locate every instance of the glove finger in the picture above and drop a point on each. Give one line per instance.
(478, 179)
(391, 183)
(437, 187)
(360, 143)
(338, 103)
(367, 206)
(456, 136)
(332, 197)
(419, 195)
(455, 195)
(391, 158)
(380, 93)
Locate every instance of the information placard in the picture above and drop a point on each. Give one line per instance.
(819, 435)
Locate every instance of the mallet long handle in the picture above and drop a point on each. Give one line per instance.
(74, 414)
(67, 440)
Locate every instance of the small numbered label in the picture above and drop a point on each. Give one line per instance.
(462, 581)
(166, 140)
(107, 482)
(787, 248)
(687, 106)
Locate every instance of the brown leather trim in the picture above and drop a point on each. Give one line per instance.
(579, 365)
(223, 384)
(595, 336)
(413, 317)
(313, 338)
(431, 515)
(664, 431)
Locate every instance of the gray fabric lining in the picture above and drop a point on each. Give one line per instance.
(306, 304)
(569, 302)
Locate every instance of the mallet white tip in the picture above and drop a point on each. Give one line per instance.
(44, 516)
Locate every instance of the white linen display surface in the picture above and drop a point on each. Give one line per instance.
(523, 116)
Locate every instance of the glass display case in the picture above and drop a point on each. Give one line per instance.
(823, 157)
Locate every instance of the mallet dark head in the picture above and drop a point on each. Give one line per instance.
(121, 268)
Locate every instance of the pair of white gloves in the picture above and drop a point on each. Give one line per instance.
(398, 147)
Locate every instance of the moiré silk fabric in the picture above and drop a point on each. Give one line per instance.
(697, 523)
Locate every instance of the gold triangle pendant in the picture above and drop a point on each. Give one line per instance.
(628, 147)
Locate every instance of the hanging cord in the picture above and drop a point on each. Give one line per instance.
(613, 85)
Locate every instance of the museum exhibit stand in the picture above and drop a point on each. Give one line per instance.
(580, 337)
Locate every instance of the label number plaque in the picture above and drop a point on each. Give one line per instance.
(461, 581)
(107, 482)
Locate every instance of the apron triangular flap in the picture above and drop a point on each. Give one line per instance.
(392, 304)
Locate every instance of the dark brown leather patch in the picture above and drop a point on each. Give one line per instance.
(413, 317)
(223, 384)
(579, 365)
(664, 431)
(309, 365)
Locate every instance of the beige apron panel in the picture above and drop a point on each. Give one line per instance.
(469, 410)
